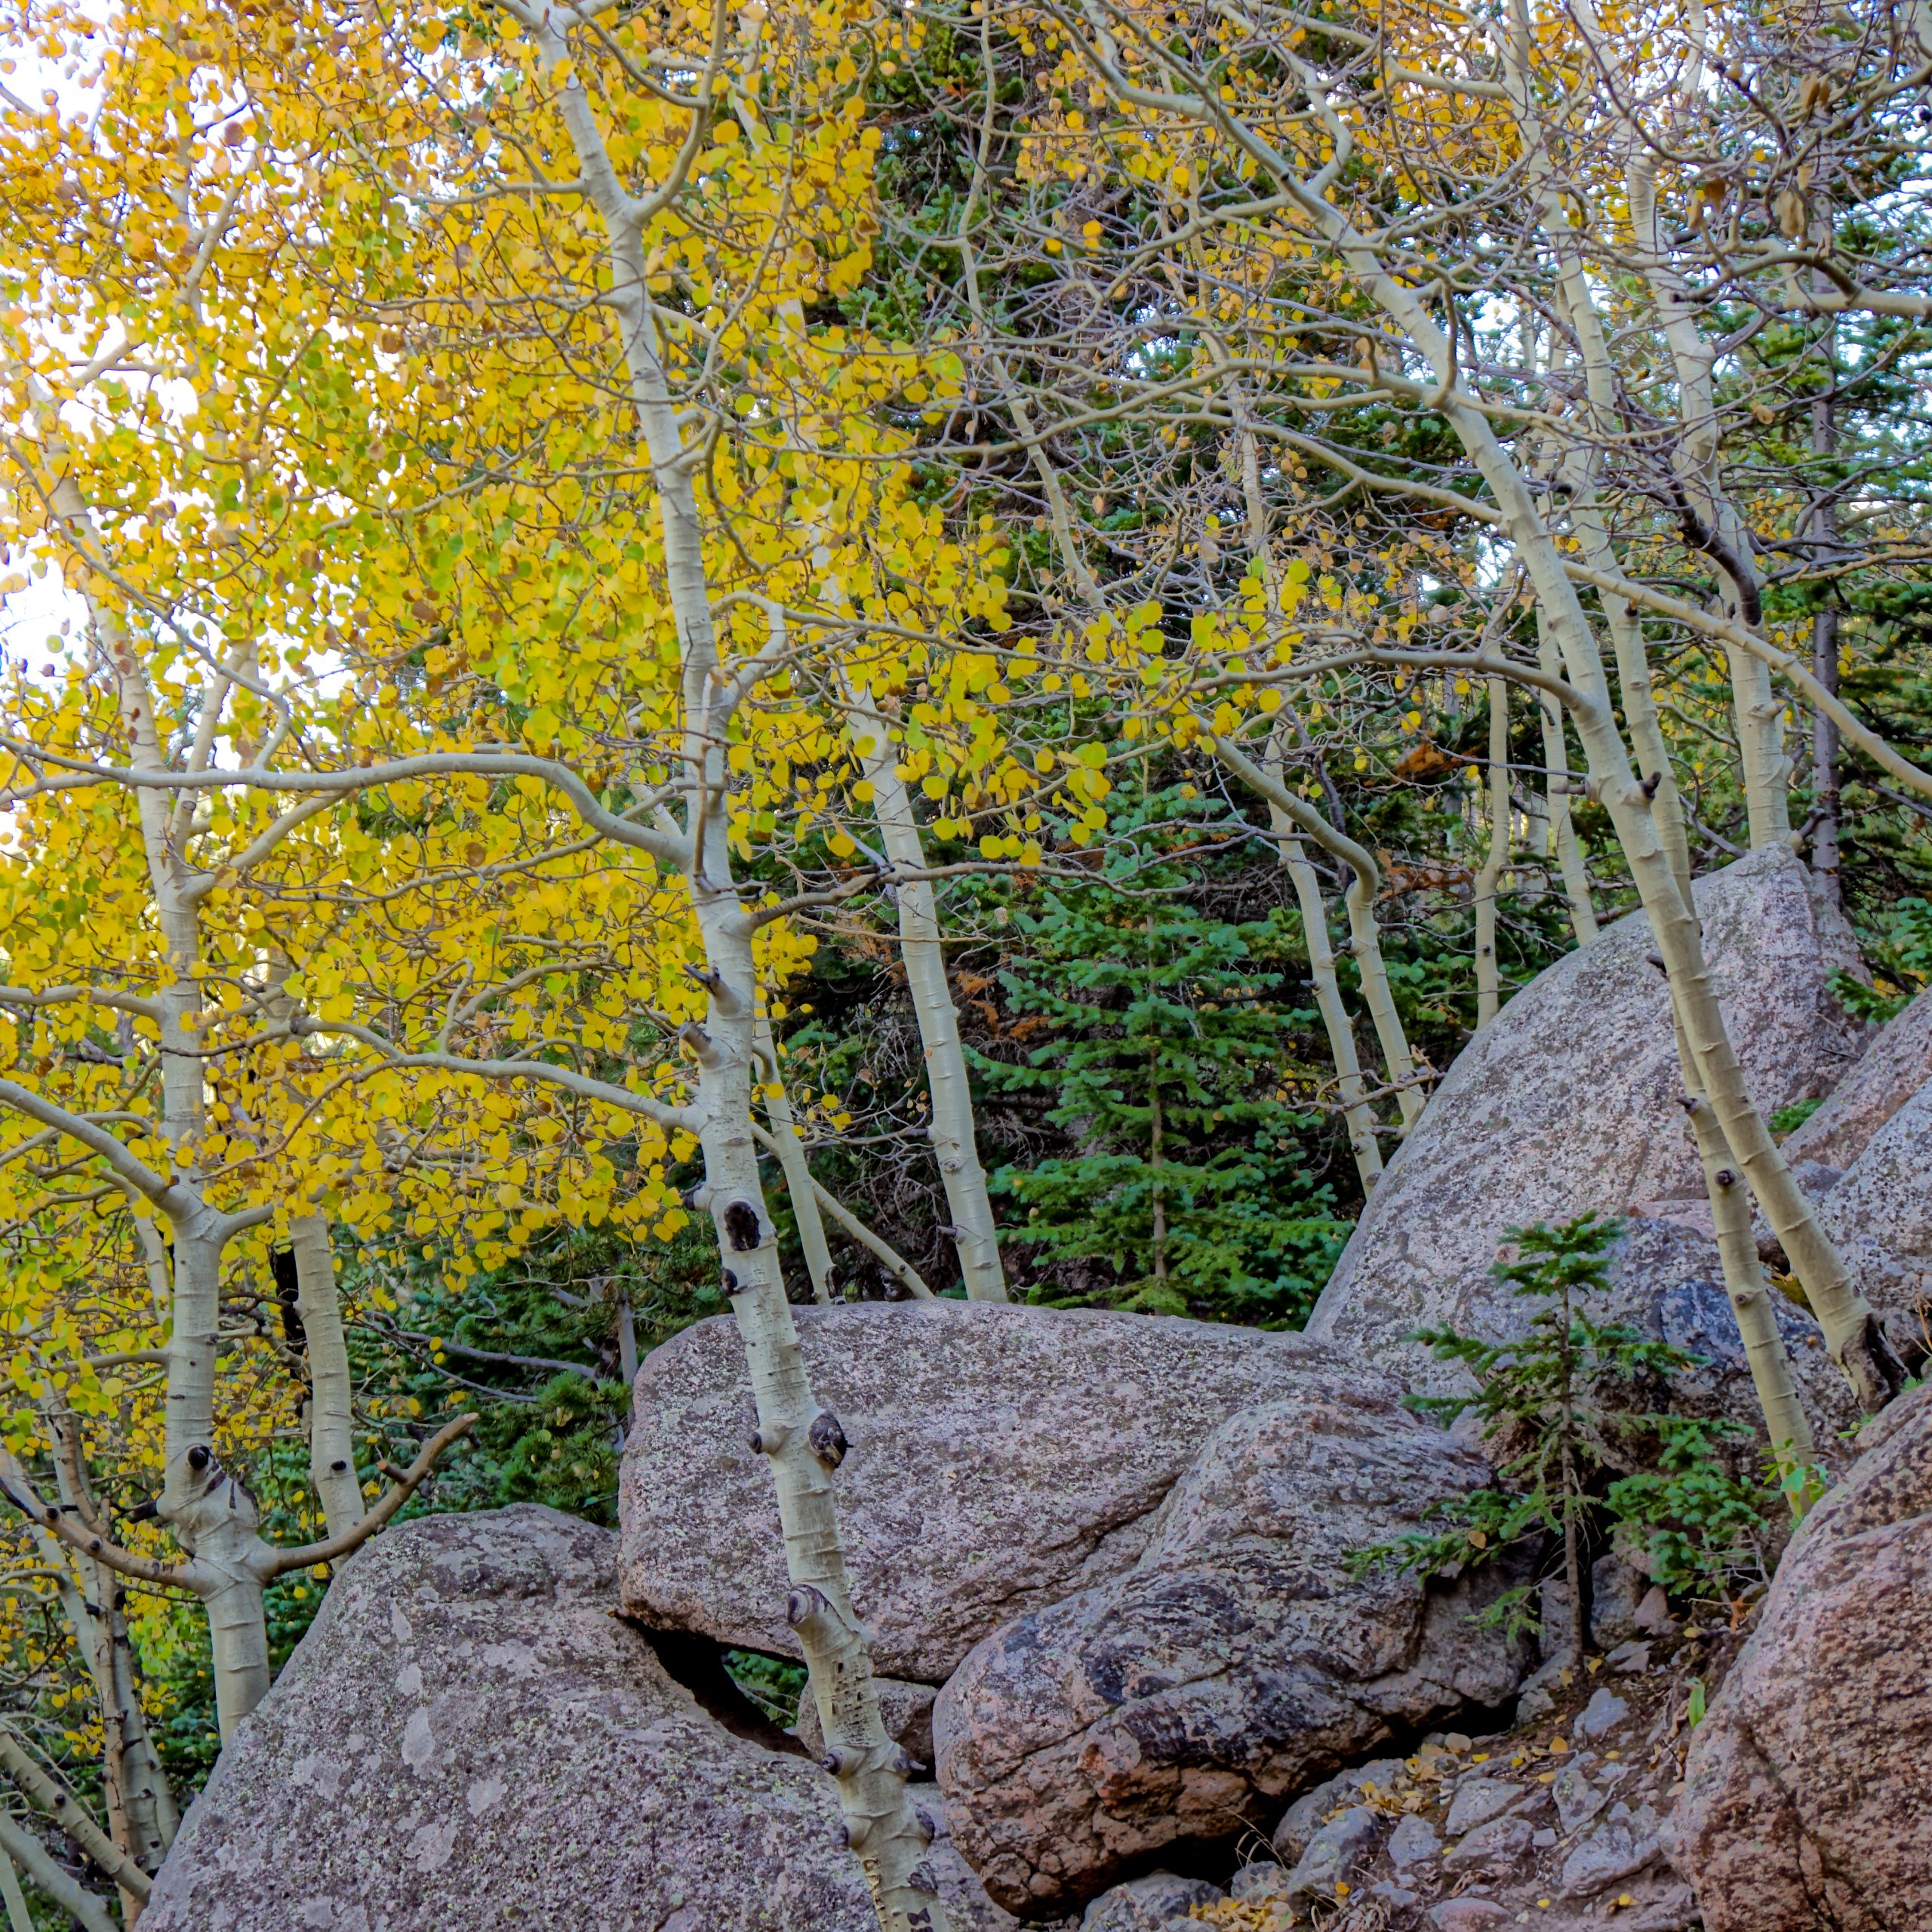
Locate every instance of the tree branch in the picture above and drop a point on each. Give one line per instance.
(332, 1549)
(66, 1810)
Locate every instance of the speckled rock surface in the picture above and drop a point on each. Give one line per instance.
(1893, 1068)
(1880, 1214)
(1238, 1662)
(1568, 1103)
(1667, 1281)
(1001, 1458)
(467, 1738)
(1808, 1800)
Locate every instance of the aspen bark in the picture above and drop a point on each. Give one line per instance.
(202, 1515)
(19, 1918)
(331, 1418)
(1564, 845)
(51, 1796)
(20, 1848)
(141, 1806)
(802, 1445)
(1364, 938)
(798, 1185)
(1785, 1422)
(1358, 1115)
(1825, 867)
(1758, 713)
(1490, 878)
(951, 1130)
(1856, 1341)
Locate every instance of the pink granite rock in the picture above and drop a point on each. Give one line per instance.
(1242, 1658)
(1808, 1800)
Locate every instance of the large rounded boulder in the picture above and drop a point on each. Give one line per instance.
(468, 1737)
(1807, 1799)
(1879, 1212)
(1896, 1065)
(1570, 1102)
(1001, 1458)
(1251, 1650)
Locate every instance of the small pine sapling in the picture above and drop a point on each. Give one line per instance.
(1537, 1399)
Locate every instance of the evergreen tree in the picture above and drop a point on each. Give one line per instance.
(1162, 1041)
(1689, 1520)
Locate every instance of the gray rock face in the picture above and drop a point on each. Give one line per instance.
(1239, 1659)
(1149, 1904)
(1495, 1846)
(468, 1736)
(1808, 1800)
(1335, 1854)
(1622, 1845)
(1616, 1590)
(1477, 1801)
(1880, 1214)
(1577, 1800)
(1414, 1842)
(1670, 1282)
(1602, 1714)
(1001, 1458)
(1893, 1068)
(1314, 1808)
(1568, 1103)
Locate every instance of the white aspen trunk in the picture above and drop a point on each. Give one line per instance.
(331, 1417)
(1365, 948)
(1638, 693)
(1356, 1111)
(22, 1849)
(54, 1796)
(1563, 844)
(1364, 938)
(93, 1599)
(1758, 713)
(140, 1808)
(951, 1130)
(1358, 1115)
(19, 1918)
(1825, 860)
(869, 1770)
(147, 1797)
(1856, 1341)
(803, 1444)
(1593, 351)
(1489, 879)
(785, 1138)
(1785, 1422)
(626, 1343)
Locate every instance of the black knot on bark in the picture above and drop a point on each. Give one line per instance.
(827, 1439)
(802, 1605)
(199, 1458)
(1724, 1177)
(731, 1281)
(1649, 787)
(743, 1228)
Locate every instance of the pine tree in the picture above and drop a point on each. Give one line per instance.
(1538, 1400)
(1162, 1039)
